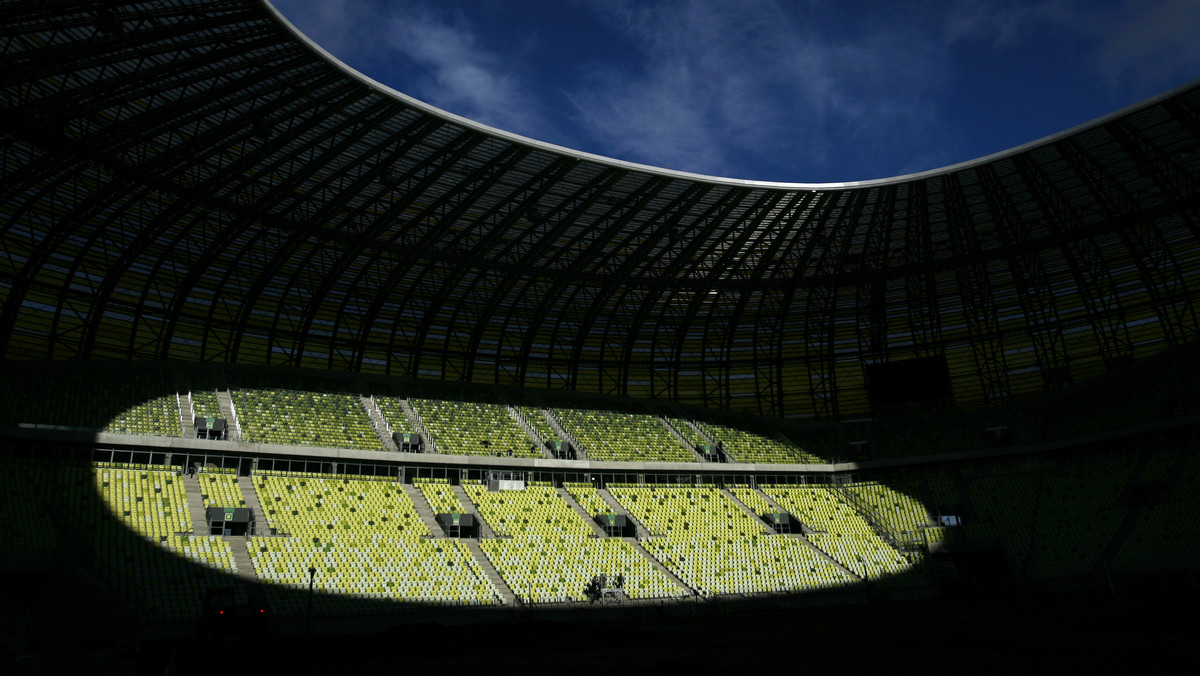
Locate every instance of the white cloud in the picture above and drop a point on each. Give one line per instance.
(463, 77)
(346, 28)
(456, 72)
(719, 82)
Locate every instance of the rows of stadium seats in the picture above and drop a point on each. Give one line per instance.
(1166, 532)
(693, 438)
(745, 446)
(304, 419)
(474, 428)
(137, 402)
(27, 526)
(205, 404)
(752, 499)
(715, 548)
(924, 433)
(623, 436)
(219, 488)
(588, 498)
(1053, 517)
(538, 422)
(365, 540)
(894, 505)
(840, 531)
(547, 554)
(148, 508)
(1076, 516)
(536, 511)
(440, 496)
(393, 413)
(157, 417)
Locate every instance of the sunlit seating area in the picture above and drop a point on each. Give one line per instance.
(219, 488)
(366, 542)
(623, 436)
(538, 422)
(588, 498)
(393, 414)
(559, 569)
(536, 511)
(900, 510)
(744, 446)
(686, 431)
(304, 419)
(716, 548)
(839, 530)
(205, 404)
(440, 496)
(547, 554)
(474, 428)
(752, 499)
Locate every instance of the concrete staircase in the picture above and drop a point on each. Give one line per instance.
(678, 436)
(186, 422)
(749, 512)
(195, 500)
(530, 431)
(251, 496)
(575, 506)
(1134, 514)
(642, 532)
(657, 564)
(241, 558)
(485, 531)
(821, 552)
(488, 569)
(377, 421)
(775, 506)
(227, 412)
(424, 510)
(580, 451)
(414, 421)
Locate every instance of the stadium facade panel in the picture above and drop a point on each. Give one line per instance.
(195, 181)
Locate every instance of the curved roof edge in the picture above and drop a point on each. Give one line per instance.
(673, 173)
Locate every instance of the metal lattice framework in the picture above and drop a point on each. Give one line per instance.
(193, 180)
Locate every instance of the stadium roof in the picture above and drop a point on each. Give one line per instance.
(194, 180)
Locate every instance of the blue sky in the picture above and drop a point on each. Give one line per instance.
(797, 91)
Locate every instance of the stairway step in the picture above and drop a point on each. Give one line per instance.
(578, 509)
(659, 565)
(485, 563)
(618, 508)
(258, 514)
(749, 512)
(195, 500)
(424, 510)
(485, 530)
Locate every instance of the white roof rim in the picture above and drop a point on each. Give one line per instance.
(721, 180)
